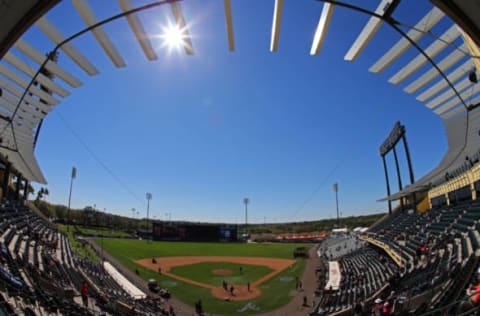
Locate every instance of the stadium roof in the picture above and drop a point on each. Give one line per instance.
(29, 94)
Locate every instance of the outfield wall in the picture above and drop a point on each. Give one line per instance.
(185, 231)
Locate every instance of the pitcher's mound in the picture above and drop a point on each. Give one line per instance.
(222, 272)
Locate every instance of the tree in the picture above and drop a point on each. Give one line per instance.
(41, 193)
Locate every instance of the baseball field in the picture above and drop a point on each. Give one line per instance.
(228, 278)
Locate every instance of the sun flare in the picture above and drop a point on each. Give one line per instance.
(173, 36)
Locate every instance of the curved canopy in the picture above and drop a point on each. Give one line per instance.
(29, 94)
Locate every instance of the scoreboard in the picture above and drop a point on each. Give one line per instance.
(194, 231)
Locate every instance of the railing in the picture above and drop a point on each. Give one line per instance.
(458, 312)
(393, 254)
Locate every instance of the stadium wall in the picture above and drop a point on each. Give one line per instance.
(185, 231)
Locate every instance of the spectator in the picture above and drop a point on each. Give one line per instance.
(358, 309)
(199, 307)
(377, 309)
(473, 293)
(387, 309)
(84, 292)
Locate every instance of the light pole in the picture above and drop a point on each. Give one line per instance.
(335, 189)
(133, 217)
(149, 197)
(246, 201)
(74, 175)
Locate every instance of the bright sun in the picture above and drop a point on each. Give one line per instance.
(173, 36)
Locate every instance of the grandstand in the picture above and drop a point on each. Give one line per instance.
(420, 261)
(40, 273)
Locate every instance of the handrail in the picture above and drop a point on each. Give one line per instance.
(380, 244)
(441, 308)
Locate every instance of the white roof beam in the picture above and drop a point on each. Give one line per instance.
(20, 119)
(367, 32)
(20, 131)
(5, 107)
(19, 138)
(462, 85)
(277, 22)
(442, 84)
(451, 113)
(42, 79)
(13, 101)
(229, 22)
(11, 141)
(182, 26)
(100, 35)
(428, 76)
(425, 24)
(472, 47)
(435, 48)
(24, 84)
(7, 86)
(322, 28)
(39, 58)
(138, 30)
(56, 36)
(9, 108)
(456, 101)
(25, 115)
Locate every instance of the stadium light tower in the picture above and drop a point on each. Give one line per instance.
(74, 175)
(246, 201)
(335, 189)
(149, 197)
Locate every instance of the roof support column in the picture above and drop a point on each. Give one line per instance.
(17, 188)
(6, 175)
(410, 169)
(388, 184)
(399, 177)
(25, 190)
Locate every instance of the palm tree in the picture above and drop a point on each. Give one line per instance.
(41, 193)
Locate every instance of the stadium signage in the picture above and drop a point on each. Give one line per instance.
(395, 135)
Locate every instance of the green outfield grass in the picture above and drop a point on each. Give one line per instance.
(203, 272)
(276, 292)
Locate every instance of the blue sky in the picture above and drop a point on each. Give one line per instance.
(202, 132)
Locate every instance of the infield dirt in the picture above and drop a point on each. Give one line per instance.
(241, 291)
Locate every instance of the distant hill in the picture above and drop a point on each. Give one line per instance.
(61, 213)
(314, 226)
